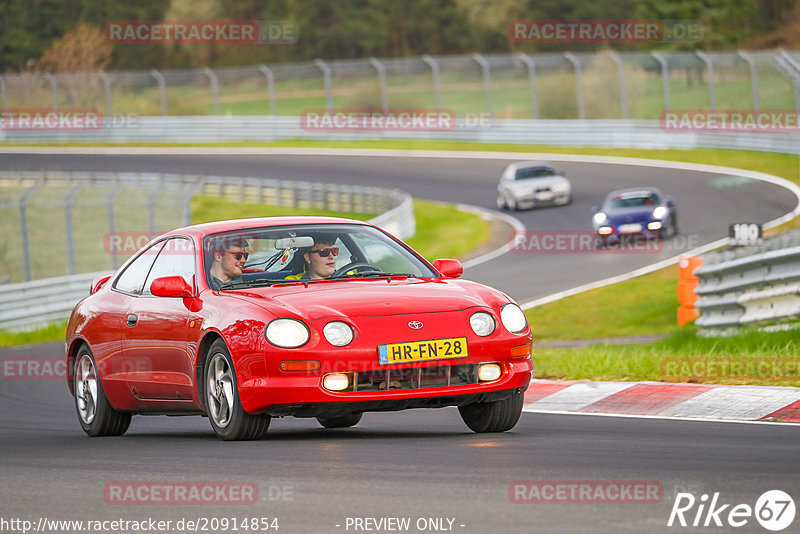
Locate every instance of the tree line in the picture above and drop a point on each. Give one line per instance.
(46, 35)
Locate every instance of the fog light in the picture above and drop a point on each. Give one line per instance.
(488, 372)
(336, 382)
(655, 225)
(605, 230)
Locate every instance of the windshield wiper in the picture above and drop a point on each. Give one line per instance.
(246, 285)
(371, 274)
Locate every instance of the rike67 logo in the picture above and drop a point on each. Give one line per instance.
(774, 510)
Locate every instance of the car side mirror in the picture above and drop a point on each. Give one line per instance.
(595, 209)
(670, 203)
(171, 286)
(449, 268)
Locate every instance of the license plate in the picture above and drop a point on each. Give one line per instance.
(547, 195)
(630, 228)
(422, 351)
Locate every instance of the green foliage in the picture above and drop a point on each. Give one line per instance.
(363, 28)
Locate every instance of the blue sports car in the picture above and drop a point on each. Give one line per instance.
(635, 212)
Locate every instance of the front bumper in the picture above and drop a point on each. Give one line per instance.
(335, 409)
(302, 395)
(538, 199)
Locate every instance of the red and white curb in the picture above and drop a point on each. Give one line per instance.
(665, 400)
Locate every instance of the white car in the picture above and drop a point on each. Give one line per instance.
(531, 184)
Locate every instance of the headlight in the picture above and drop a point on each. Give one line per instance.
(560, 188)
(513, 318)
(287, 333)
(482, 323)
(660, 212)
(599, 218)
(338, 333)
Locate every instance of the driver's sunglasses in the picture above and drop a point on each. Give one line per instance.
(239, 255)
(325, 252)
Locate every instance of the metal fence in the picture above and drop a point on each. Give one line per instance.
(609, 85)
(61, 223)
(756, 284)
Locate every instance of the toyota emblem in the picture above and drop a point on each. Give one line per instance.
(416, 325)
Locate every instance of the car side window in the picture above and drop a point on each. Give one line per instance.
(132, 278)
(175, 259)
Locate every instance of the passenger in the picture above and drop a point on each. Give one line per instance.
(320, 260)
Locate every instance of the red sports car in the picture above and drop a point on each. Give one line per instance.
(250, 319)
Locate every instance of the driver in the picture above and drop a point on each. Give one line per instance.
(320, 260)
(229, 257)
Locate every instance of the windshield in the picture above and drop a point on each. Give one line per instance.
(632, 200)
(527, 173)
(302, 253)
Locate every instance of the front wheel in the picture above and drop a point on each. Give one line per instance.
(497, 416)
(342, 421)
(228, 419)
(95, 414)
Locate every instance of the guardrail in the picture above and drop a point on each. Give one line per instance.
(751, 285)
(28, 305)
(31, 304)
(597, 132)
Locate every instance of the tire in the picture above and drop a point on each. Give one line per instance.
(342, 421)
(95, 414)
(512, 205)
(501, 203)
(497, 416)
(228, 419)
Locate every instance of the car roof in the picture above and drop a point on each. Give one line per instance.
(259, 222)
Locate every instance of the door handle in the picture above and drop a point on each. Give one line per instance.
(132, 319)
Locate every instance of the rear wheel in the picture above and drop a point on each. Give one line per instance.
(225, 412)
(497, 416)
(95, 414)
(342, 421)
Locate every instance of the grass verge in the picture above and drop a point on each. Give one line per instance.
(752, 357)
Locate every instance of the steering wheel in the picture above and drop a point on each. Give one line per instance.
(358, 266)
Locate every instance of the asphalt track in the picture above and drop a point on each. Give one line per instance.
(424, 463)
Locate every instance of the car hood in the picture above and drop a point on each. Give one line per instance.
(635, 214)
(374, 297)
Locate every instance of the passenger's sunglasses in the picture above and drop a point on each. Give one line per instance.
(325, 252)
(239, 255)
